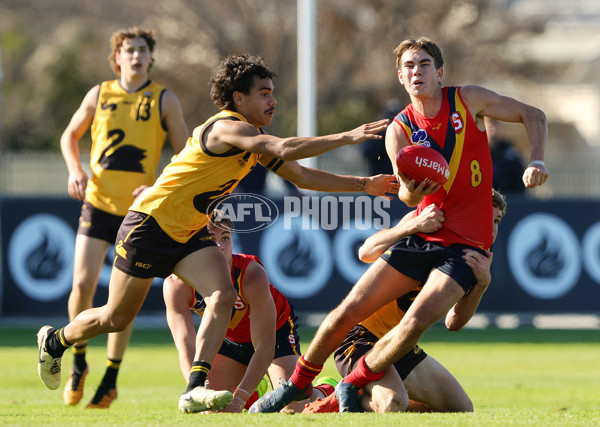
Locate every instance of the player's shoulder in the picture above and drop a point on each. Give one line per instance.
(233, 125)
(91, 98)
(474, 92)
(254, 272)
(169, 101)
(225, 132)
(95, 90)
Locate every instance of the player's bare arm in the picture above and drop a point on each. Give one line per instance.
(173, 119)
(315, 179)
(263, 319)
(394, 142)
(178, 297)
(463, 310)
(428, 221)
(484, 102)
(409, 191)
(69, 143)
(246, 137)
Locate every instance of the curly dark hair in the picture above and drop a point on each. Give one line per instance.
(236, 73)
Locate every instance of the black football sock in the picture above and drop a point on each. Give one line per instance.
(110, 376)
(79, 363)
(198, 375)
(109, 381)
(56, 343)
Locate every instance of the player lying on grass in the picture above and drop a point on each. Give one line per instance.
(417, 381)
(262, 334)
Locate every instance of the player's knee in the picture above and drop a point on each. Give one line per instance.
(385, 400)
(335, 321)
(83, 286)
(463, 405)
(416, 325)
(108, 321)
(454, 402)
(119, 323)
(223, 299)
(170, 281)
(345, 314)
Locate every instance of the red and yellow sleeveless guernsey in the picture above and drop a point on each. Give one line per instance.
(127, 138)
(466, 199)
(179, 199)
(239, 326)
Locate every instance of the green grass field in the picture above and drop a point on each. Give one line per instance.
(521, 377)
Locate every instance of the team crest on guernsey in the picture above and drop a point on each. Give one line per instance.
(244, 159)
(148, 93)
(420, 138)
(109, 107)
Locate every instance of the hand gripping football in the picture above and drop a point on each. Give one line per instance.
(422, 163)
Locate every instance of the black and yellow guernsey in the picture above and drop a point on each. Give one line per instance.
(127, 138)
(180, 199)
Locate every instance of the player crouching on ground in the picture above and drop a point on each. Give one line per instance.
(262, 334)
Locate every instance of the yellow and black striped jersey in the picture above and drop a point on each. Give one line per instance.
(127, 138)
(195, 178)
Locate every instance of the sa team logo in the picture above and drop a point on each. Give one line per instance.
(239, 304)
(457, 122)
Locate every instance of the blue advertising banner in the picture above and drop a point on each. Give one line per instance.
(546, 257)
(38, 243)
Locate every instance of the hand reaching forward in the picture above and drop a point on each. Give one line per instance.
(380, 185)
(366, 131)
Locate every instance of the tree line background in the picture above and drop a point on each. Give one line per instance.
(53, 52)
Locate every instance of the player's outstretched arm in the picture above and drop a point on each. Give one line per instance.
(246, 137)
(318, 180)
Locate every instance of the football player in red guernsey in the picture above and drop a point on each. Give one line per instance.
(449, 119)
(262, 334)
(416, 378)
